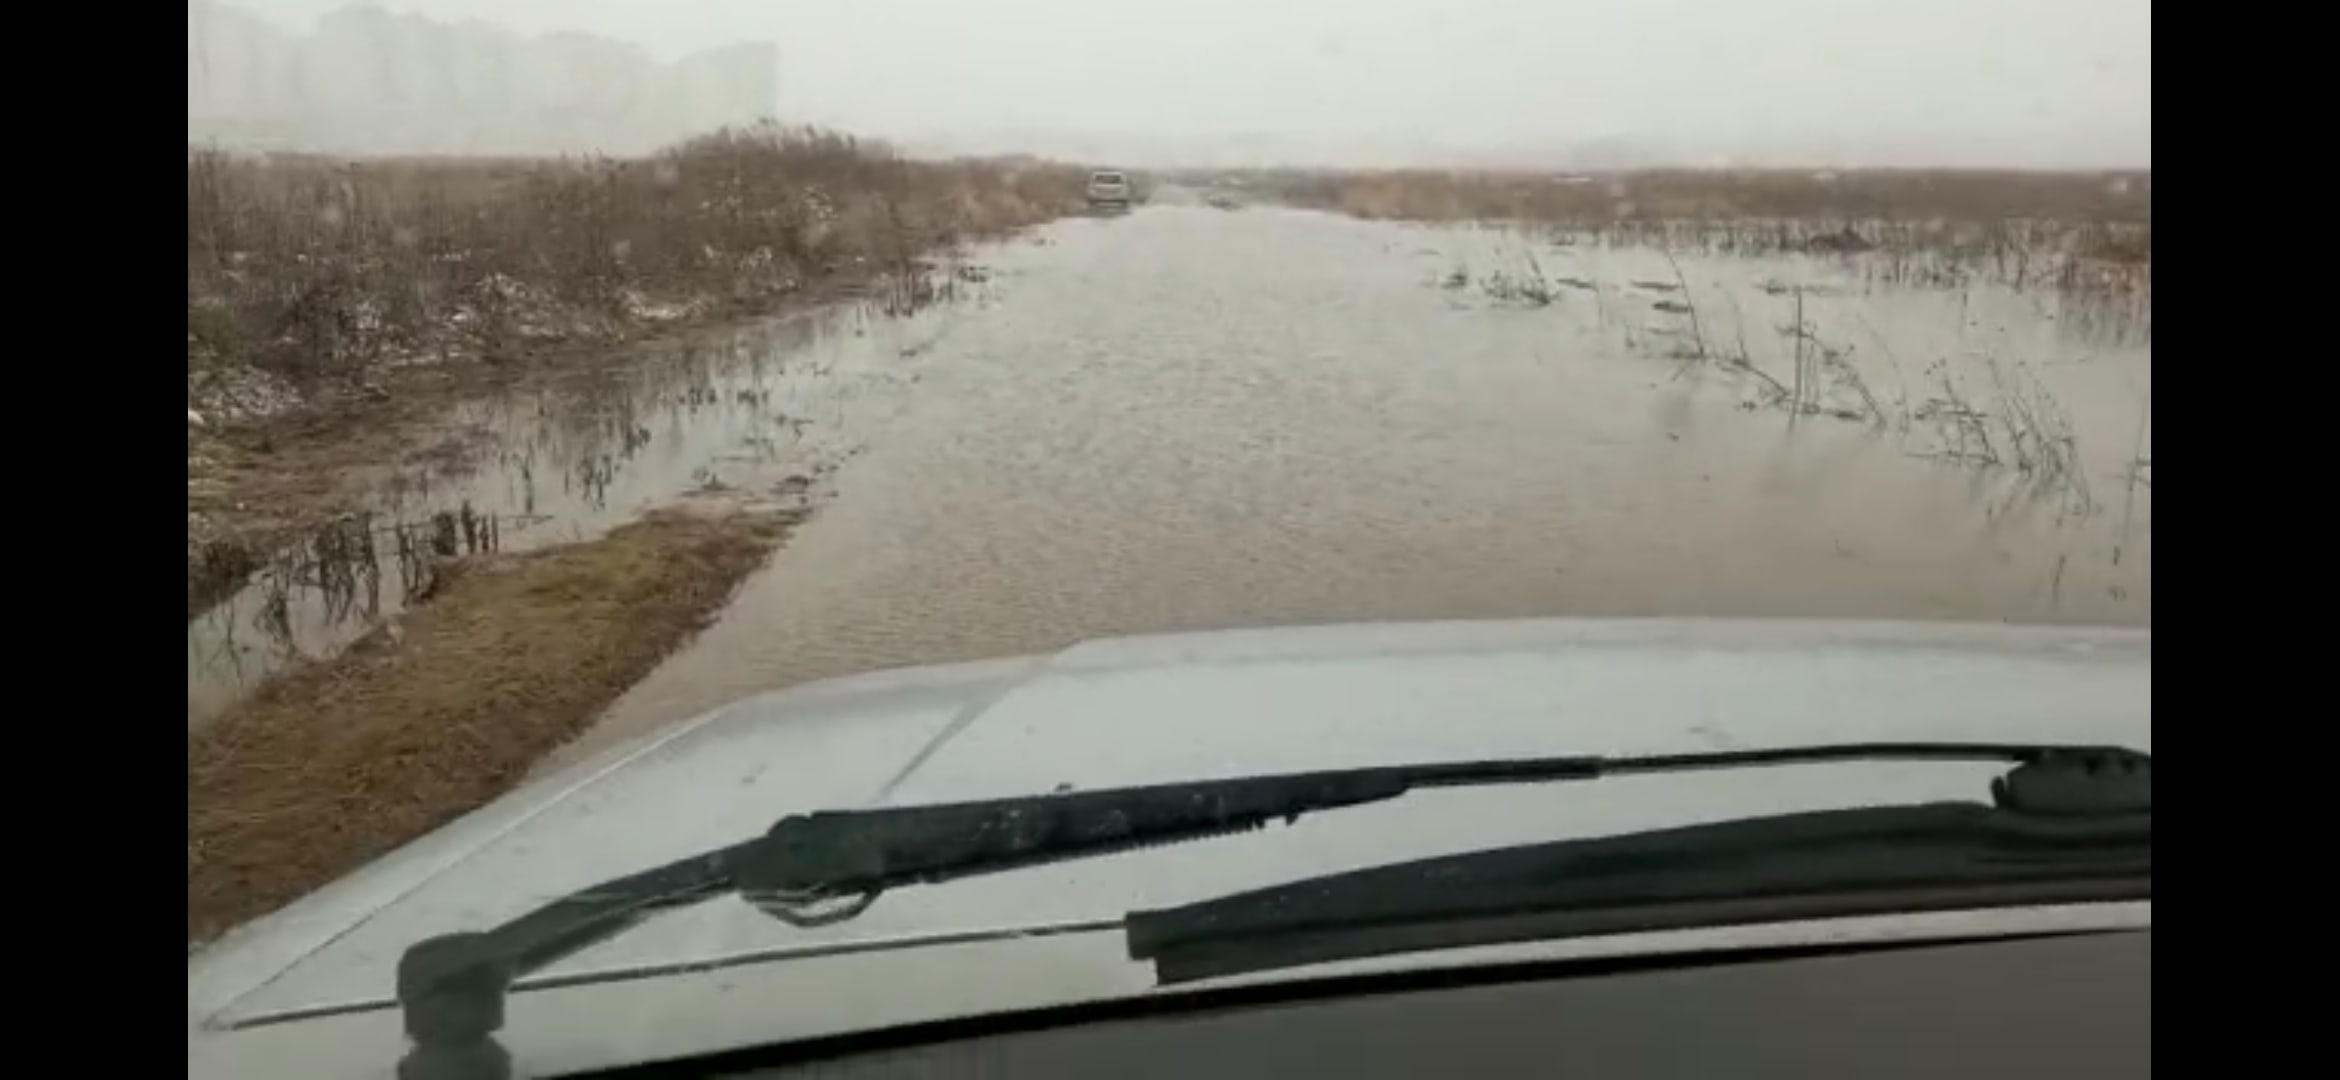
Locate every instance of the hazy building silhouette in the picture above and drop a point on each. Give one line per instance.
(366, 80)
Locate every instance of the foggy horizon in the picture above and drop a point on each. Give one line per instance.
(2048, 84)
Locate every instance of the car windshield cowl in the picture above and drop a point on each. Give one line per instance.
(2069, 811)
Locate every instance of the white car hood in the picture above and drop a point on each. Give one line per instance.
(1110, 713)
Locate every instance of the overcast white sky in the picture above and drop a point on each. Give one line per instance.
(2041, 73)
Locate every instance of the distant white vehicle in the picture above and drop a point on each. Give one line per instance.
(1109, 189)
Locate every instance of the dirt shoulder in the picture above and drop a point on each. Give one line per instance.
(338, 762)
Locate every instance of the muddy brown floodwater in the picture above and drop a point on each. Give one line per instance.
(1193, 418)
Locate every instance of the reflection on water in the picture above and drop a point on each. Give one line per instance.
(765, 413)
(1189, 419)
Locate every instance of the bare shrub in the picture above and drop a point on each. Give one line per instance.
(321, 268)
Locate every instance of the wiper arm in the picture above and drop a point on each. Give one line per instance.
(828, 866)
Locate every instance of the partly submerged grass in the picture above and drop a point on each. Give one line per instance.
(340, 761)
(2068, 230)
(330, 301)
(1950, 195)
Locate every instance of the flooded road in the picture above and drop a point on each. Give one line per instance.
(1192, 418)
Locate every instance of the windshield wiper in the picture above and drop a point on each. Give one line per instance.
(828, 866)
(1780, 868)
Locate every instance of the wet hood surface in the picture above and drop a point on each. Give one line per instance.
(1134, 711)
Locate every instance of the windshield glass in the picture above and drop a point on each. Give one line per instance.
(561, 374)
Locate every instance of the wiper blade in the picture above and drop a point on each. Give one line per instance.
(831, 865)
(1816, 864)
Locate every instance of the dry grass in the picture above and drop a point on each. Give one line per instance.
(312, 267)
(2078, 233)
(1721, 194)
(2074, 230)
(338, 762)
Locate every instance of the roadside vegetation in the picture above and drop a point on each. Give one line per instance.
(328, 299)
(2034, 226)
(312, 268)
(1955, 195)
